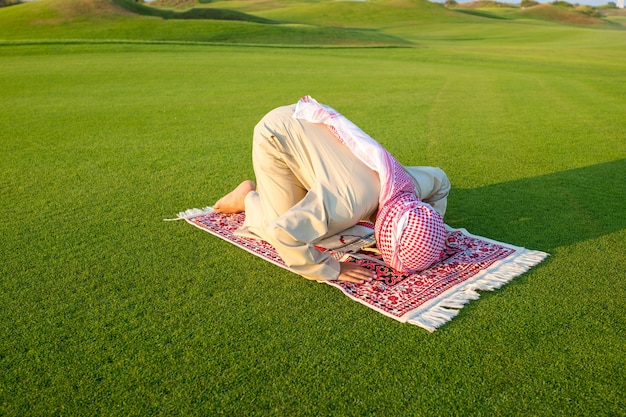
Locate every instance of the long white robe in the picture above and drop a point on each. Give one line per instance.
(311, 186)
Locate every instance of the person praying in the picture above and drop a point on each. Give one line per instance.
(317, 174)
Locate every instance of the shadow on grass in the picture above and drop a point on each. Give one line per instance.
(194, 13)
(548, 211)
(481, 13)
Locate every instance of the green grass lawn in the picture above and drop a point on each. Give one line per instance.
(107, 310)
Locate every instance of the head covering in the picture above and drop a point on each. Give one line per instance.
(410, 234)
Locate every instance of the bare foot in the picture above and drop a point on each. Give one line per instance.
(233, 202)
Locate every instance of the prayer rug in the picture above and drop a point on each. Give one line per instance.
(427, 299)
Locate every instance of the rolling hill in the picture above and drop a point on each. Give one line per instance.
(371, 14)
(102, 20)
(548, 12)
(272, 22)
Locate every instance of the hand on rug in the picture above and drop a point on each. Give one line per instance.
(351, 272)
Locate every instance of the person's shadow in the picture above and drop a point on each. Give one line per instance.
(548, 211)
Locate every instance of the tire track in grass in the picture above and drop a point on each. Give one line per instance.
(578, 135)
(464, 123)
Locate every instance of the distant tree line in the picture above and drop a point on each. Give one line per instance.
(530, 3)
(4, 3)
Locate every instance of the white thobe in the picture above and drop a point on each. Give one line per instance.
(310, 186)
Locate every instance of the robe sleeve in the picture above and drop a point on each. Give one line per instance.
(294, 234)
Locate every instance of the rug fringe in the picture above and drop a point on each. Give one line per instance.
(191, 213)
(444, 308)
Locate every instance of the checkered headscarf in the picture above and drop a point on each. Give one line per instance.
(410, 234)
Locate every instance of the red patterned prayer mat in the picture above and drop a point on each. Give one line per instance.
(427, 299)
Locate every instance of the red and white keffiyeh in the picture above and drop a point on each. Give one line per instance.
(410, 234)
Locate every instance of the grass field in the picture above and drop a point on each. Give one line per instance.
(110, 125)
